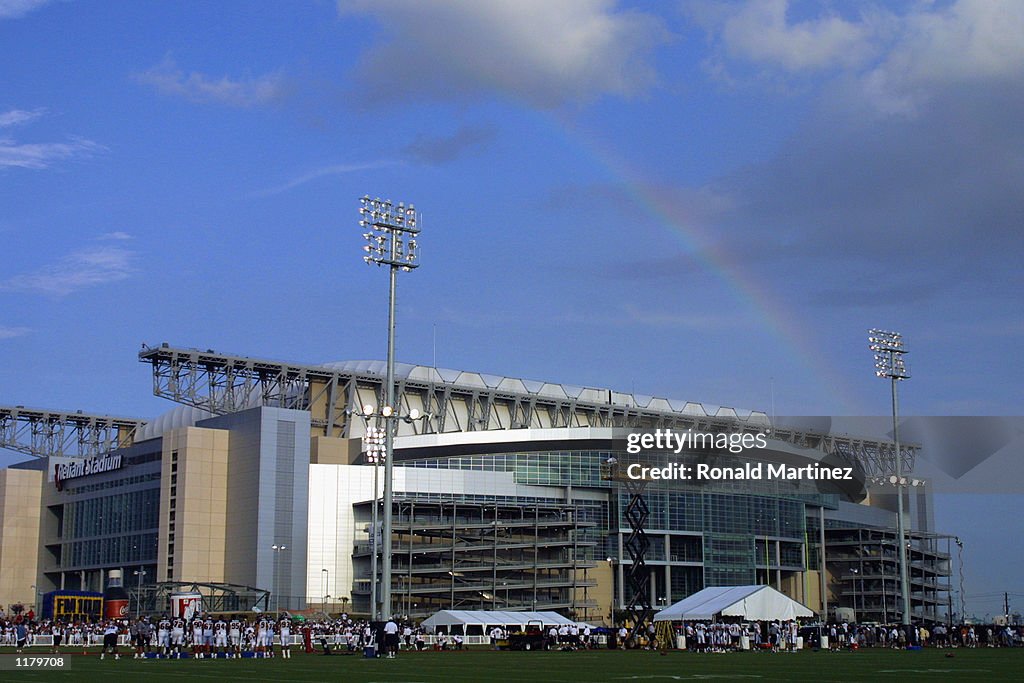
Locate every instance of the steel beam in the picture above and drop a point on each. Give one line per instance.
(222, 383)
(44, 433)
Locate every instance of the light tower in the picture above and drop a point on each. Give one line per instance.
(278, 549)
(889, 364)
(374, 441)
(391, 232)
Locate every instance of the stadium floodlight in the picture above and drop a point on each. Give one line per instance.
(391, 231)
(278, 549)
(140, 573)
(889, 351)
(375, 443)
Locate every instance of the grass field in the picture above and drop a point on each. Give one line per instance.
(536, 667)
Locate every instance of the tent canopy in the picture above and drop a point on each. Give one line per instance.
(485, 618)
(752, 603)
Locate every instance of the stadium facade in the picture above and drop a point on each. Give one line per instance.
(260, 479)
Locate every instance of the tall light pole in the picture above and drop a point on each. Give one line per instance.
(138, 595)
(889, 364)
(374, 441)
(960, 566)
(391, 241)
(857, 617)
(278, 549)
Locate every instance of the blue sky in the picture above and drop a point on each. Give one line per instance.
(698, 200)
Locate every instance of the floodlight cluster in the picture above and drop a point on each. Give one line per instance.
(391, 231)
(900, 481)
(375, 439)
(889, 351)
(374, 443)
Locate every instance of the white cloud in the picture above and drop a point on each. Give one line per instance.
(546, 53)
(81, 269)
(11, 332)
(16, 117)
(13, 9)
(42, 155)
(117, 235)
(899, 58)
(168, 79)
(760, 32)
(336, 169)
(967, 42)
(38, 155)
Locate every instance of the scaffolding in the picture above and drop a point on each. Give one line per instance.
(638, 608)
(482, 556)
(863, 564)
(218, 598)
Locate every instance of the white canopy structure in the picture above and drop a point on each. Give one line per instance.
(448, 619)
(751, 603)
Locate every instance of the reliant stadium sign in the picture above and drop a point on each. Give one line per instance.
(66, 468)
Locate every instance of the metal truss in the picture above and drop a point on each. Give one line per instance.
(637, 544)
(875, 457)
(44, 433)
(217, 597)
(222, 383)
(637, 576)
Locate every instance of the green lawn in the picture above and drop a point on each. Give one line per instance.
(569, 667)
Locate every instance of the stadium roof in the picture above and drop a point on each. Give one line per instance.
(515, 385)
(453, 401)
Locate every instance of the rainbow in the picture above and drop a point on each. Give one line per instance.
(753, 295)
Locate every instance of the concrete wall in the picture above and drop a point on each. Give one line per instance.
(602, 594)
(20, 505)
(267, 501)
(195, 467)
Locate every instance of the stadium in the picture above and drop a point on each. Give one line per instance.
(258, 491)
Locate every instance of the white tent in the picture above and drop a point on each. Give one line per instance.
(752, 603)
(483, 619)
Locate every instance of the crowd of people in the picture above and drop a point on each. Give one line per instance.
(896, 636)
(785, 636)
(345, 634)
(722, 637)
(212, 636)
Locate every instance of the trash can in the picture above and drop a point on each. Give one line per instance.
(680, 642)
(824, 642)
(744, 642)
(799, 642)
